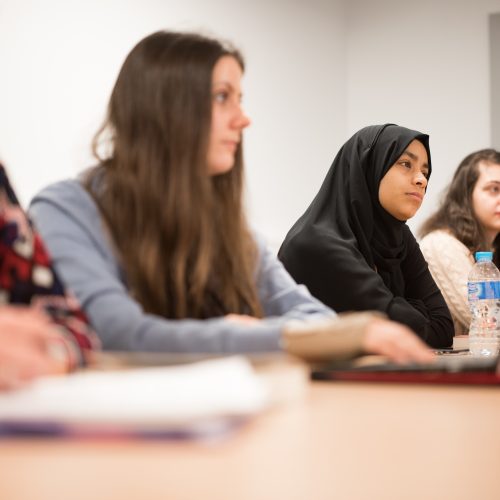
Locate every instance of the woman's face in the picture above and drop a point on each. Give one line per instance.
(228, 118)
(486, 198)
(402, 188)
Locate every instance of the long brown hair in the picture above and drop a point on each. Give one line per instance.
(181, 234)
(456, 213)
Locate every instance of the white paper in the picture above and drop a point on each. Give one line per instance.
(146, 397)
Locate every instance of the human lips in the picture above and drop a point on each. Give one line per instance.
(231, 144)
(415, 194)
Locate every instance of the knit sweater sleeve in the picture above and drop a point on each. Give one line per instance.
(450, 263)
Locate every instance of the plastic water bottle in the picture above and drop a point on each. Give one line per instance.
(484, 295)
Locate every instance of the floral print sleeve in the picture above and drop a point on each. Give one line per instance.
(27, 277)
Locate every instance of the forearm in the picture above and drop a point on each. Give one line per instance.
(133, 330)
(433, 325)
(343, 338)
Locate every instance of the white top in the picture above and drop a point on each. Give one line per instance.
(450, 262)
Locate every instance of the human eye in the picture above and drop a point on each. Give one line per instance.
(494, 189)
(221, 96)
(405, 163)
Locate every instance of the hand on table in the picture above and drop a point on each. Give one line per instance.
(395, 341)
(242, 319)
(30, 346)
(352, 334)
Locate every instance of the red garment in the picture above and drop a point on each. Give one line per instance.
(27, 276)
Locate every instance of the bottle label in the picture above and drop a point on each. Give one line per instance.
(479, 290)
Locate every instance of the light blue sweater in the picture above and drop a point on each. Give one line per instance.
(70, 223)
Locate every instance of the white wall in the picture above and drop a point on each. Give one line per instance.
(316, 72)
(59, 60)
(424, 65)
(495, 79)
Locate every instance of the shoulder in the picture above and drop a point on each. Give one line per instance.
(66, 208)
(68, 196)
(446, 255)
(67, 192)
(317, 243)
(442, 240)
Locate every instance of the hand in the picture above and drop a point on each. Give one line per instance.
(243, 319)
(350, 335)
(27, 340)
(395, 341)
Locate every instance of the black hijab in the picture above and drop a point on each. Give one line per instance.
(346, 234)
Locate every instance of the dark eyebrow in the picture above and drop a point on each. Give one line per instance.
(222, 82)
(228, 85)
(415, 157)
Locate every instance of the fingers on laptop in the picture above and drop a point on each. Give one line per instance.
(397, 342)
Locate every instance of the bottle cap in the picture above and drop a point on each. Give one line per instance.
(484, 256)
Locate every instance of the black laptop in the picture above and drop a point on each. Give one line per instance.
(447, 368)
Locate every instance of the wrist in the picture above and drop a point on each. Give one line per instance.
(338, 338)
(59, 354)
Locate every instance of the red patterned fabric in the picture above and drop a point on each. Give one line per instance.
(27, 276)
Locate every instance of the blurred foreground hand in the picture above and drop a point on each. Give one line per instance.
(30, 346)
(350, 335)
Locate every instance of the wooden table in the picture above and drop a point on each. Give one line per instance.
(343, 441)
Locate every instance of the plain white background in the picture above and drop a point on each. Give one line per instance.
(317, 71)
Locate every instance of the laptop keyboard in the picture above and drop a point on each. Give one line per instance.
(452, 363)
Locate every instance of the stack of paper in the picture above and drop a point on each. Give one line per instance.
(197, 399)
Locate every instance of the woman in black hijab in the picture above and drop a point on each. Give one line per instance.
(352, 247)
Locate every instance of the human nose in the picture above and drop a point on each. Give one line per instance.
(421, 179)
(241, 120)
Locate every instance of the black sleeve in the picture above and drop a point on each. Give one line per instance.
(435, 325)
(342, 279)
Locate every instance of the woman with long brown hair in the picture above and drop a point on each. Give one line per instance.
(154, 240)
(467, 221)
